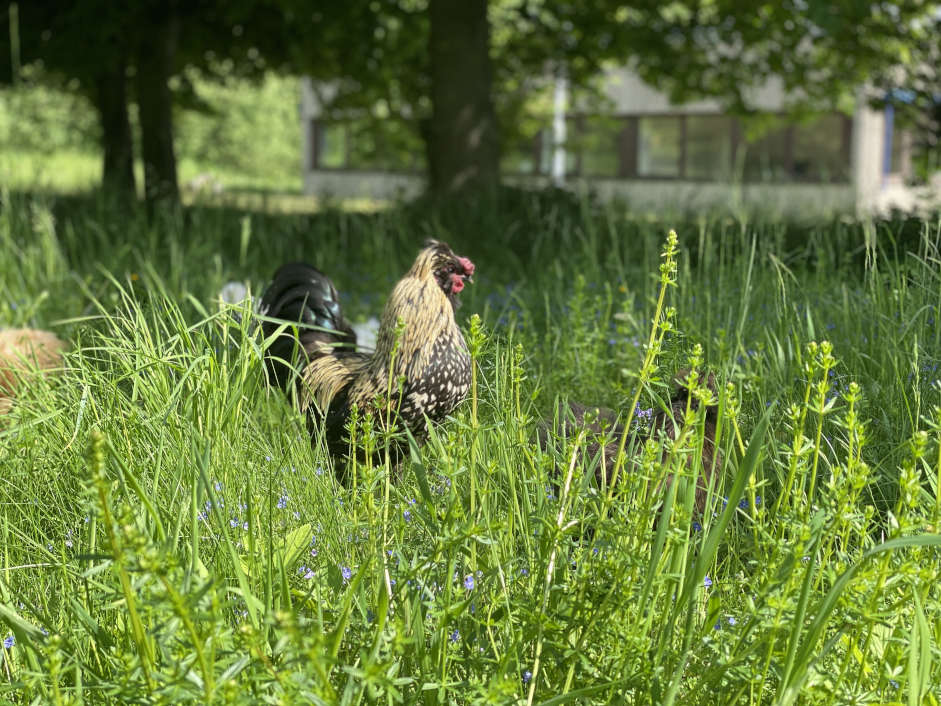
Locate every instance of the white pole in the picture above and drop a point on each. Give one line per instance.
(559, 100)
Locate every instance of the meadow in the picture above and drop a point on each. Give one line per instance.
(170, 533)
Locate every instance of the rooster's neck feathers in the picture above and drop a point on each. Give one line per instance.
(426, 312)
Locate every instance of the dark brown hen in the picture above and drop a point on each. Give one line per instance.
(334, 375)
(605, 431)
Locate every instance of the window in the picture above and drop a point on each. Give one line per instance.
(767, 158)
(380, 145)
(331, 145)
(658, 146)
(708, 147)
(812, 151)
(522, 154)
(385, 145)
(821, 151)
(598, 141)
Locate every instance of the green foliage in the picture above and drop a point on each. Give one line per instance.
(248, 137)
(251, 133)
(44, 119)
(170, 532)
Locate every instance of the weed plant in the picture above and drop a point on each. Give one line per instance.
(171, 534)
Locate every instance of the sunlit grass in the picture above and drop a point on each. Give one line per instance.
(169, 533)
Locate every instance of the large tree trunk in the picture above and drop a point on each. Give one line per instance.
(155, 54)
(463, 140)
(117, 145)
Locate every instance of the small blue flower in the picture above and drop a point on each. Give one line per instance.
(218, 486)
(455, 636)
(527, 675)
(894, 684)
(9, 641)
(696, 526)
(469, 582)
(318, 471)
(707, 582)
(283, 501)
(346, 572)
(407, 515)
(731, 620)
(743, 504)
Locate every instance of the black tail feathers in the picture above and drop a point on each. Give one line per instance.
(302, 295)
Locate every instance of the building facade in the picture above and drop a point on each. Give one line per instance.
(652, 154)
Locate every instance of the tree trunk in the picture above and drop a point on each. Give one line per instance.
(117, 145)
(463, 145)
(155, 55)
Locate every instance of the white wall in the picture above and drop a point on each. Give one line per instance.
(630, 95)
(352, 184)
(866, 157)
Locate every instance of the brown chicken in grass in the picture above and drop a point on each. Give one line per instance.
(332, 375)
(605, 430)
(24, 352)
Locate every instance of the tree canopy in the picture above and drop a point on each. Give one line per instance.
(460, 74)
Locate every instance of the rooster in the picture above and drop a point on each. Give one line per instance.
(605, 429)
(334, 375)
(24, 351)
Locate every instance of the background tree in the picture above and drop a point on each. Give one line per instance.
(463, 139)
(84, 46)
(155, 48)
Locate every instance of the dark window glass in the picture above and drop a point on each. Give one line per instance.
(522, 152)
(385, 145)
(767, 157)
(819, 152)
(331, 146)
(598, 143)
(708, 146)
(658, 146)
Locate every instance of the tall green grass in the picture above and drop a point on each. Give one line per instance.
(171, 534)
